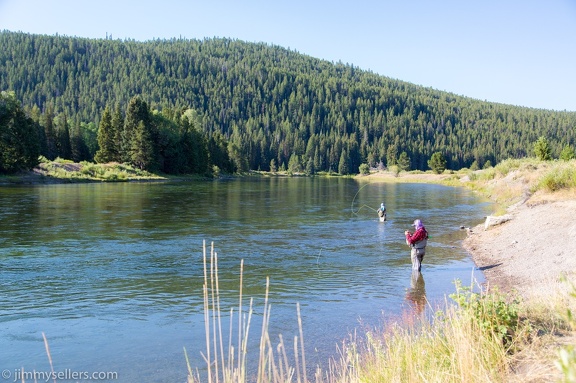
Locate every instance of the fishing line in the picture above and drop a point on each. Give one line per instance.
(360, 208)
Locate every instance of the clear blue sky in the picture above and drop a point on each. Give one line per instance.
(519, 52)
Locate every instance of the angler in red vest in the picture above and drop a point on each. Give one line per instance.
(417, 241)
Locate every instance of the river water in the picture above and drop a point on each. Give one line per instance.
(112, 273)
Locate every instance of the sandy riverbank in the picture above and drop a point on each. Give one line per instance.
(529, 253)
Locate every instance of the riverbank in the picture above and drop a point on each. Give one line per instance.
(529, 256)
(531, 252)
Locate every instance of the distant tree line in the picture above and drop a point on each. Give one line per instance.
(243, 106)
(169, 141)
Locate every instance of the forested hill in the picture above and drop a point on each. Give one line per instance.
(273, 105)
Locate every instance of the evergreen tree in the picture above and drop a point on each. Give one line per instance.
(542, 149)
(294, 165)
(404, 162)
(50, 134)
(78, 147)
(567, 153)
(117, 129)
(64, 144)
(89, 135)
(240, 164)
(106, 138)
(310, 167)
(142, 151)
(437, 163)
(391, 155)
(19, 144)
(218, 153)
(343, 164)
(136, 113)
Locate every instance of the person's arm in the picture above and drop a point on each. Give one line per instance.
(408, 237)
(418, 235)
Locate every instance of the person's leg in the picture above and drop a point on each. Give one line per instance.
(415, 259)
(420, 257)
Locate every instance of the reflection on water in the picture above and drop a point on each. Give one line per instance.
(416, 294)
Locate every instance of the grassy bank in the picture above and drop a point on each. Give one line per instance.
(87, 171)
(514, 181)
(64, 171)
(509, 182)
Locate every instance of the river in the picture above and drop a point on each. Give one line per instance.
(112, 273)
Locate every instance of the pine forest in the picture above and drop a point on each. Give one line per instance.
(185, 106)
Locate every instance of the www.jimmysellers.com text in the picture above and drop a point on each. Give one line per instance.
(20, 375)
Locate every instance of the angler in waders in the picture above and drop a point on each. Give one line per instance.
(417, 242)
(382, 212)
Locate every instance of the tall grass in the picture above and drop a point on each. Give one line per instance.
(561, 176)
(463, 343)
(566, 361)
(514, 180)
(474, 339)
(230, 364)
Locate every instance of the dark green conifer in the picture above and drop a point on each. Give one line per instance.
(106, 138)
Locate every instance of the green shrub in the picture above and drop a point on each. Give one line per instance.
(493, 313)
(364, 169)
(216, 171)
(508, 165)
(567, 153)
(557, 179)
(394, 169)
(111, 175)
(487, 174)
(566, 362)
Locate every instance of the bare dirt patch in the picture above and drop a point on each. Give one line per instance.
(531, 252)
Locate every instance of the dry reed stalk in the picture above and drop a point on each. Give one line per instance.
(263, 334)
(49, 356)
(206, 315)
(240, 313)
(301, 341)
(221, 366)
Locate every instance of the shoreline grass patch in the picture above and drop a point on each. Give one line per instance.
(477, 337)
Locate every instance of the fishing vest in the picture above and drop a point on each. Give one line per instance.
(420, 244)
